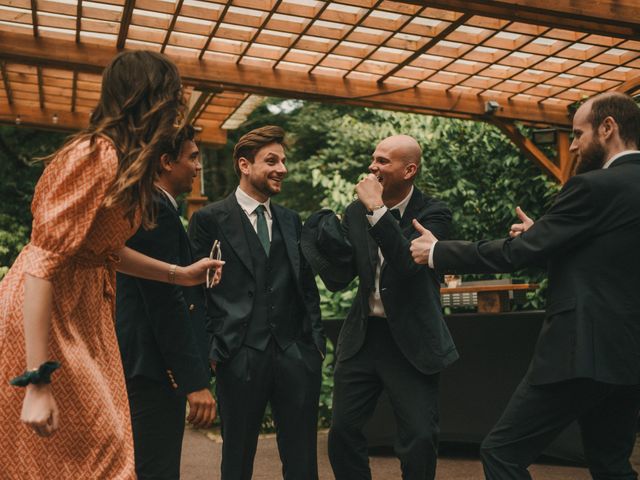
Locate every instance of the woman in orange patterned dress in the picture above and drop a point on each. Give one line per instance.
(57, 301)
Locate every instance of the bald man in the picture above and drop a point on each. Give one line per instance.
(394, 338)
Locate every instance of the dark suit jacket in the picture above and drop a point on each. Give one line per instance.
(589, 239)
(160, 326)
(229, 305)
(410, 293)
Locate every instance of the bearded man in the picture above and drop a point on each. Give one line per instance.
(586, 364)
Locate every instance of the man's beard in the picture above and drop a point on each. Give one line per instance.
(263, 187)
(592, 158)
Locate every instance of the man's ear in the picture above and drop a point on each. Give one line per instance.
(243, 165)
(410, 170)
(166, 165)
(608, 128)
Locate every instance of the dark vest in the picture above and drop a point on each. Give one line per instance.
(277, 310)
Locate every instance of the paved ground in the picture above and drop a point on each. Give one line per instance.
(201, 461)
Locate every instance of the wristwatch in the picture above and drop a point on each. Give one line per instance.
(375, 207)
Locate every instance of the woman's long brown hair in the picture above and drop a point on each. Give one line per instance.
(140, 104)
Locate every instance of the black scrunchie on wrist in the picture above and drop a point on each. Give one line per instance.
(38, 376)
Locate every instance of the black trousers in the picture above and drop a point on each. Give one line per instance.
(287, 380)
(536, 414)
(358, 382)
(157, 420)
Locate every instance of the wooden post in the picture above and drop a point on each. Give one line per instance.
(195, 199)
(566, 161)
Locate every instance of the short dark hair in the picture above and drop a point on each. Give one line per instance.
(172, 144)
(623, 109)
(251, 142)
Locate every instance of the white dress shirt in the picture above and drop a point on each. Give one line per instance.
(170, 197)
(249, 204)
(376, 309)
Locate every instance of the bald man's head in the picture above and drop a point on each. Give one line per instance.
(403, 147)
(396, 162)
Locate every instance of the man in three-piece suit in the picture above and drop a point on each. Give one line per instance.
(394, 338)
(161, 328)
(586, 364)
(266, 337)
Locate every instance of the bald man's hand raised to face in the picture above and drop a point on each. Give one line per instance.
(369, 191)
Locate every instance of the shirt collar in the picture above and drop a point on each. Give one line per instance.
(170, 197)
(402, 206)
(249, 204)
(617, 156)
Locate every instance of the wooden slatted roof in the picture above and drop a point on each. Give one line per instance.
(534, 58)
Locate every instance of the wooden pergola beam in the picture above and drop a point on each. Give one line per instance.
(345, 35)
(78, 20)
(5, 82)
(214, 30)
(76, 121)
(34, 17)
(259, 30)
(616, 18)
(67, 121)
(199, 99)
(127, 13)
(265, 81)
(630, 86)
(74, 91)
(528, 148)
(426, 47)
(565, 159)
(172, 25)
(40, 87)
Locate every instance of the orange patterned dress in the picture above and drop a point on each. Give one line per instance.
(72, 245)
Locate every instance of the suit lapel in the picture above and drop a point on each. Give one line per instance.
(287, 226)
(229, 219)
(416, 203)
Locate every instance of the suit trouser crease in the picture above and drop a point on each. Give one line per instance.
(157, 420)
(359, 381)
(536, 414)
(289, 381)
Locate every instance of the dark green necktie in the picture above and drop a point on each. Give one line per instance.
(263, 231)
(396, 214)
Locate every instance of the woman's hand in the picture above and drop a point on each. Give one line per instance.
(39, 410)
(196, 273)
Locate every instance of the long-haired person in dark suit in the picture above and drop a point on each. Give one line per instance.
(394, 338)
(161, 327)
(586, 365)
(267, 340)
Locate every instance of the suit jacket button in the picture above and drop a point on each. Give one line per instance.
(250, 293)
(192, 307)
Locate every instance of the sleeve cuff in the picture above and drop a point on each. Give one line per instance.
(377, 215)
(41, 263)
(433, 247)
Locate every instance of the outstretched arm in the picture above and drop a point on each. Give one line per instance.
(138, 265)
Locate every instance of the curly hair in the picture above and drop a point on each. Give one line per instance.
(140, 104)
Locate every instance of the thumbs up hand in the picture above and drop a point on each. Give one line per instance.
(519, 228)
(421, 246)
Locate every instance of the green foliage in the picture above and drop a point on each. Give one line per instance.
(19, 171)
(470, 165)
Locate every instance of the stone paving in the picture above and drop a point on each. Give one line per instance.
(201, 461)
